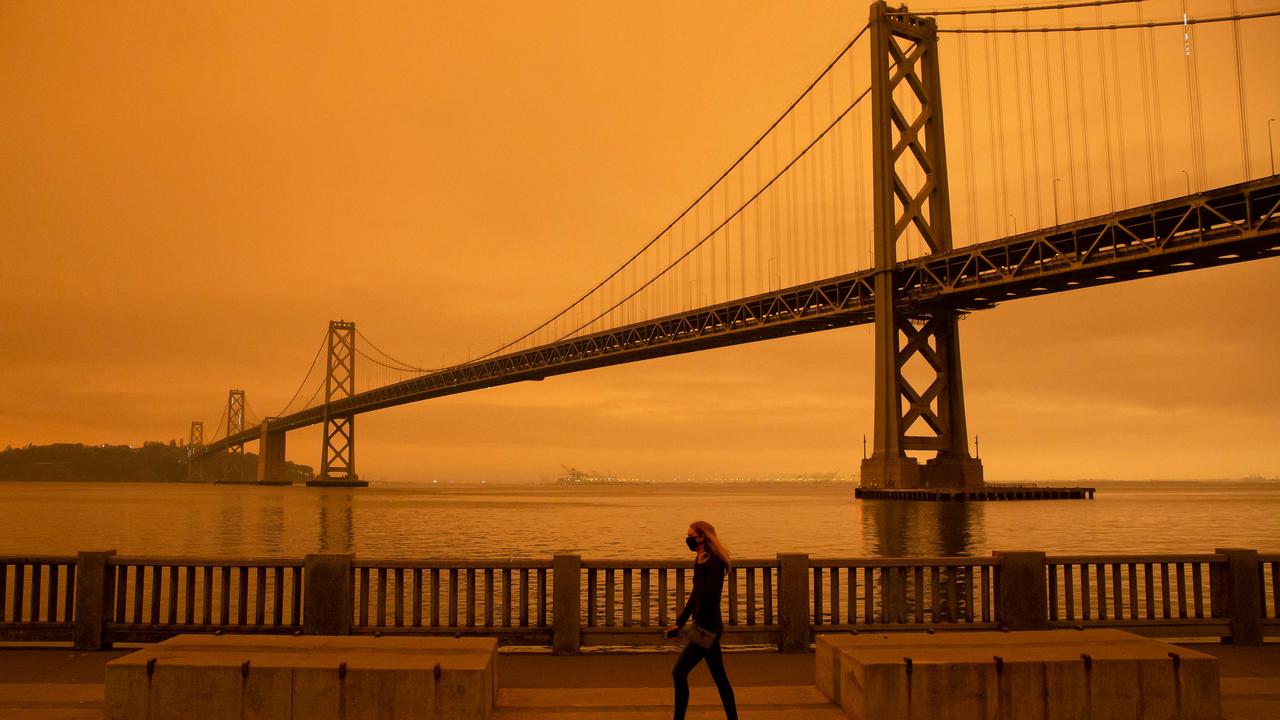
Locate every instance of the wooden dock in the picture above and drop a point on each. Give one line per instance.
(990, 492)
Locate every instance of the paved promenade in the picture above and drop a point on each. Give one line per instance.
(43, 683)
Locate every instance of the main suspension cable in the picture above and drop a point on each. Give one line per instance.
(1021, 8)
(404, 365)
(724, 222)
(316, 358)
(695, 203)
(1114, 26)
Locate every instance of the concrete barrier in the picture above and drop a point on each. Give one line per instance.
(1054, 674)
(193, 677)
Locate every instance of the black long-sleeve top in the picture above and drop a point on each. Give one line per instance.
(704, 601)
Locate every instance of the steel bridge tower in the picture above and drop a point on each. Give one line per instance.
(338, 443)
(233, 465)
(195, 443)
(924, 411)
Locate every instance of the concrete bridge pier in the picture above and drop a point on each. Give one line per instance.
(271, 463)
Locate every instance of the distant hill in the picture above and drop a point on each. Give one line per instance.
(153, 462)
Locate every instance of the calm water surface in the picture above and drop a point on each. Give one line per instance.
(638, 521)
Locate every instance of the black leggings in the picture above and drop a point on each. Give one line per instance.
(689, 657)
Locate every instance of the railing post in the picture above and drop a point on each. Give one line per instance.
(566, 608)
(793, 602)
(95, 598)
(1236, 593)
(326, 601)
(1022, 601)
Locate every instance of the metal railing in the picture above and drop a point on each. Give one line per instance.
(568, 602)
(156, 598)
(507, 598)
(37, 597)
(1269, 583)
(1154, 594)
(632, 601)
(887, 593)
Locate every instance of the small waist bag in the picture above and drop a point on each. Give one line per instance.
(701, 636)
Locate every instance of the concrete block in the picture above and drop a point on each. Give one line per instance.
(1065, 691)
(826, 667)
(316, 677)
(1057, 675)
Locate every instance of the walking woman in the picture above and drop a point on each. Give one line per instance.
(703, 607)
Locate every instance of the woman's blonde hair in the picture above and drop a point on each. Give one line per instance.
(708, 534)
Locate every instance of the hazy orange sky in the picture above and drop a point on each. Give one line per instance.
(190, 191)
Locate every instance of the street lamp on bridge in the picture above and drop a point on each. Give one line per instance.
(1271, 151)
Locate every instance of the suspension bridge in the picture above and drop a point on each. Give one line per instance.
(1088, 129)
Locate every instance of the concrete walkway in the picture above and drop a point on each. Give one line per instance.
(44, 683)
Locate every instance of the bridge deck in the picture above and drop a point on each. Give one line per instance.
(1232, 224)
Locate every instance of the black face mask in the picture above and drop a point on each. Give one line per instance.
(692, 542)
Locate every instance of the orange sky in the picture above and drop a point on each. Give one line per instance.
(190, 191)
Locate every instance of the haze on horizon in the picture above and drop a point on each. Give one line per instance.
(191, 192)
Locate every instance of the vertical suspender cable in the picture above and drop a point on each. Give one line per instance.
(1066, 101)
(999, 148)
(1157, 111)
(742, 235)
(775, 226)
(1018, 96)
(794, 218)
(728, 248)
(1106, 114)
(860, 199)
(1035, 133)
(966, 110)
(804, 173)
(712, 269)
(814, 200)
(1084, 130)
(998, 217)
(1240, 94)
(838, 197)
(1194, 117)
(758, 241)
(1120, 141)
(1144, 60)
(1053, 129)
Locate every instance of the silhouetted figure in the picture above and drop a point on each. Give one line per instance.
(703, 606)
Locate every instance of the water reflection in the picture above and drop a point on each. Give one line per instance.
(894, 528)
(337, 525)
(230, 527)
(270, 524)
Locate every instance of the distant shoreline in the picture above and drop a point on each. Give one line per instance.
(540, 484)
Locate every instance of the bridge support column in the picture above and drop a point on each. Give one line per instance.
(271, 463)
(919, 396)
(338, 445)
(233, 470)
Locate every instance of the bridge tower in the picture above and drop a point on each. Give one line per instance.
(233, 467)
(195, 443)
(338, 444)
(924, 412)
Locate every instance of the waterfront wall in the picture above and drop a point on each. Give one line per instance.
(567, 602)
